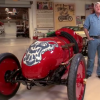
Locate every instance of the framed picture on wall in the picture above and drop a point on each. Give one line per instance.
(64, 15)
(44, 14)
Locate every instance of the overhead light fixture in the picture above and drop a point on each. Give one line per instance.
(10, 12)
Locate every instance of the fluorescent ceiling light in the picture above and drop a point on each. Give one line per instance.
(10, 12)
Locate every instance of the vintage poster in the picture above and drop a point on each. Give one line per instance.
(78, 20)
(64, 15)
(45, 15)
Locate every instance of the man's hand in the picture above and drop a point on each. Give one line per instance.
(90, 38)
(87, 34)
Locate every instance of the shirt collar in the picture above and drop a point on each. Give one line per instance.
(96, 15)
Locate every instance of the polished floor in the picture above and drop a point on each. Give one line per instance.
(54, 92)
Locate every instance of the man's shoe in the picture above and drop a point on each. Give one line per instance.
(87, 76)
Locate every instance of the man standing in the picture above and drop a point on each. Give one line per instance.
(92, 31)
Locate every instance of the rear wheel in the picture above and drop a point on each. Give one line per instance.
(76, 78)
(60, 18)
(8, 63)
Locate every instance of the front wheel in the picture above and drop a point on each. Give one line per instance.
(76, 78)
(60, 18)
(8, 63)
(70, 18)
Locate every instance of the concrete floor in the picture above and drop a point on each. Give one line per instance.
(18, 47)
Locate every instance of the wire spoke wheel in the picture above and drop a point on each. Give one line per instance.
(8, 63)
(76, 78)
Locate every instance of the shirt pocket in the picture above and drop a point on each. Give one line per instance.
(92, 23)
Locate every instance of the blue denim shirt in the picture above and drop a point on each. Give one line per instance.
(92, 24)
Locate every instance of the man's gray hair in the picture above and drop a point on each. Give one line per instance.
(96, 3)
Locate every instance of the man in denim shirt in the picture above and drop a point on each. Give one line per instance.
(92, 31)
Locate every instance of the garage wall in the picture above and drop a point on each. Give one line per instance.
(80, 11)
(10, 29)
(80, 5)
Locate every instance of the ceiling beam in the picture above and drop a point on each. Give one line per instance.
(16, 5)
(16, 0)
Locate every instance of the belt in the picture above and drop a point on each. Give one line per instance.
(96, 37)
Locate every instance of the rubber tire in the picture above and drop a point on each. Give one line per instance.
(72, 40)
(72, 76)
(60, 18)
(2, 57)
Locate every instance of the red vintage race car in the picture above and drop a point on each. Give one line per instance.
(56, 59)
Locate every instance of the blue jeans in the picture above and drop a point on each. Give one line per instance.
(93, 46)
